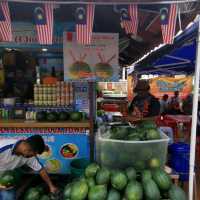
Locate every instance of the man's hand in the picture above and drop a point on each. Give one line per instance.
(53, 189)
(46, 178)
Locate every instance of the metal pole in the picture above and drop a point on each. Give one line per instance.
(105, 2)
(194, 116)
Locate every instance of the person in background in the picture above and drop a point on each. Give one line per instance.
(175, 104)
(164, 104)
(144, 104)
(187, 105)
(15, 154)
(52, 79)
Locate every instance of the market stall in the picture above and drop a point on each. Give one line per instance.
(57, 78)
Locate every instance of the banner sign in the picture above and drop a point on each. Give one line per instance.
(25, 33)
(97, 61)
(63, 148)
(168, 85)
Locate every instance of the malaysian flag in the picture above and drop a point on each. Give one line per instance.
(44, 23)
(129, 18)
(5, 22)
(84, 23)
(168, 15)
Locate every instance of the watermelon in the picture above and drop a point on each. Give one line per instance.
(90, 182)
(97, 192)
(153, 134)
(52, 117)
(45, 197)
(154, 163)
(41, 116)
(139, 165)
(148, 124)
(63, 116)
(102, 176)
(76, 116)
(119, 133)
(91, 170)
(177, 193)
(131, 173)
(32, 194)
(67, 190)
(113, 195)
(7, 179)
(79, 190)
(134, 191)
(162, 179)
(146, 175)
(151, 190)
(119, 180)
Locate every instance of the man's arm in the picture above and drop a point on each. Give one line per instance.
(46, 178)
(37, 166)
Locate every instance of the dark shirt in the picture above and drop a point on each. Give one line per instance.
(152, 102)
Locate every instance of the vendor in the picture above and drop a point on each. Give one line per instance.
(144, 104)
(15, 154)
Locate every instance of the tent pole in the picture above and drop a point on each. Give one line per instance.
(194, 116)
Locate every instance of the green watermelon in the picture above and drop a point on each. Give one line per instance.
(7, 179)
(113, 195)
(177, 193)
(76, 116)
(63, 116)
(119, 133)
(146, 175)
(90, 182)
(91, 170)
(154, 163)
(119, 180)
(102, 176)
(45, 197)
(148, 124)
(79, 190)
(67, 190)
(151, 190)
(134, 191)
(52, 117)
(41, 116)
(97, 192)
(131, 173)
(153, 134)
(162, 179)
(32, 194)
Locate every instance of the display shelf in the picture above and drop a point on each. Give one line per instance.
(33, 124)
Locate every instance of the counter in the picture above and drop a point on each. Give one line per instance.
(33, 124)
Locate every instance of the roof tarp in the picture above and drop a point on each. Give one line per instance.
(178, 58)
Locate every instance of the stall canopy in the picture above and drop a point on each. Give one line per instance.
(178, 58)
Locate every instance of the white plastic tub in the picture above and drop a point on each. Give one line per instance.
(121, 154)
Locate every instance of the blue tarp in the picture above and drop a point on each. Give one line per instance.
(178, 58)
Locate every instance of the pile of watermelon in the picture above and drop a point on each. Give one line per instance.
(100, 183)
(146, 130)
(61, 116)
(36, 193)
(7, 179)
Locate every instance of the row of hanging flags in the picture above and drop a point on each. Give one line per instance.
(44, 21)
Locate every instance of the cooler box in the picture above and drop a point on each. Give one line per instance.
(122, 154)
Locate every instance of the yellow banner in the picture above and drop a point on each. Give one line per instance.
(168, 85)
